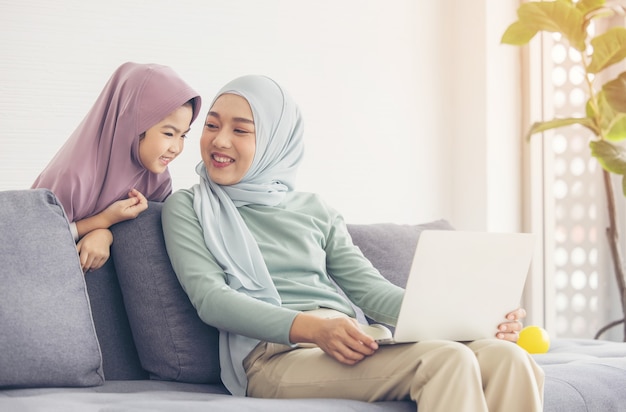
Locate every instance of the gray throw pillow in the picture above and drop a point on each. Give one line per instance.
(47, 334)
(172, 341)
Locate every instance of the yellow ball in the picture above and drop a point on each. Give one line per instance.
(534, 339)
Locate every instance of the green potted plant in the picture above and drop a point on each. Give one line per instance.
(605, 113)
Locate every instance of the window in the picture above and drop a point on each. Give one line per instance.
(579, 283)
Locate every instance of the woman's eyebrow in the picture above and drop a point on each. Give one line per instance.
(236, 119)
(243, 120)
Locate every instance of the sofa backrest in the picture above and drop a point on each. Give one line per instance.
(162, 321)
(120, 360)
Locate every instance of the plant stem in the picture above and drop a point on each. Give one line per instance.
(612, 232)
(607, 327)
(613, 238)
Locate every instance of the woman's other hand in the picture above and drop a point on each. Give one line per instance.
(509, 330)
(94, 249)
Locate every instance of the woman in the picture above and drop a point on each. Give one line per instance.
(116, 160)
(255, 257)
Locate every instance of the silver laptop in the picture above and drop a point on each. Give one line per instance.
(461, 286)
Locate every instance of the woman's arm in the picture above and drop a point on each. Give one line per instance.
(205, 283)
(365, 286)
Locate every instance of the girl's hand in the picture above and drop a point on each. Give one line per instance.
(510, 329)
(94, 249)
(126, 209)
(340, 337)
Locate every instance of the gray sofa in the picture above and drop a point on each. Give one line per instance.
(126, 338)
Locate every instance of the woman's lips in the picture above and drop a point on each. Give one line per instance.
(221, 161)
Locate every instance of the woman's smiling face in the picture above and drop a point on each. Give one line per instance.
(228, 141)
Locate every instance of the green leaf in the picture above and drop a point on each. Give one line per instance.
(611, 156)
(615, 92)
(608, 48)
(624, 185)
(539, 127)
(611, 123)
(617, 132)
(585, 6)
(554, 16)
(518, 34)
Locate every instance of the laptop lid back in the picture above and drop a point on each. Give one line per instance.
(462, 284)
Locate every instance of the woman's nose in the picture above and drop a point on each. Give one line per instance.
(222, 139)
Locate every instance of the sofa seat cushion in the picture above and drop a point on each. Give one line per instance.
(48, 336)
(584, 375)
(159, 396)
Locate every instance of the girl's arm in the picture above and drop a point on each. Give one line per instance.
(93, 236)
(117, 212)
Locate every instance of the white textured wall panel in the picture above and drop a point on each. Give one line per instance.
(356, 67)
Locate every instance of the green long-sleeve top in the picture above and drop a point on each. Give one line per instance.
(302, 241)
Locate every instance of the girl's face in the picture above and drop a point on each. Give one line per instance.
(161, 143)
(228, 139)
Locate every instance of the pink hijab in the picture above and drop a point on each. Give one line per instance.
(99, 163)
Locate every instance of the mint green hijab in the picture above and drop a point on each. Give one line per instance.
(279, 152)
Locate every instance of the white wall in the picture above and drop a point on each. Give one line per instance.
(399, 112)
(487, 144)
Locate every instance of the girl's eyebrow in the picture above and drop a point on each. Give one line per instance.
(176, 129)
(236, 119)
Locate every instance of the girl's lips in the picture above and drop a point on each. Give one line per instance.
(165, 160)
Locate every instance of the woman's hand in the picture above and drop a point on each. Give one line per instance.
(340, 337)
(509, 330)
(126, 209)
(94, 249)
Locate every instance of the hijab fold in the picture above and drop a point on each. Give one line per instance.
(99, 163)
(279, 151)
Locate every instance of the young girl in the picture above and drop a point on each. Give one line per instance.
(254, 256)
(116, 160)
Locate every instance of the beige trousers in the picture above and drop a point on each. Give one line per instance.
(485, 375)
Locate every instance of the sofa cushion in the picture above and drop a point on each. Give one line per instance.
(48, 337)
(172, 341)
(120, 360)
